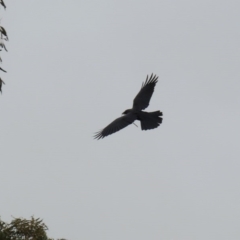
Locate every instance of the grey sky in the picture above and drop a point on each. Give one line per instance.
(73, 67)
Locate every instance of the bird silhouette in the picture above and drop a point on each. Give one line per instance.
(4, 32)
(149, 120)
(2, 45)
(1, 83)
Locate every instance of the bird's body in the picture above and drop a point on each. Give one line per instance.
(149, 120)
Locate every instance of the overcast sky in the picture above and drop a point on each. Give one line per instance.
(73, 67)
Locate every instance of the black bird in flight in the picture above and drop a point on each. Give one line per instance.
(4, 32)
(1, 83)
(149, 120)
(2, 45)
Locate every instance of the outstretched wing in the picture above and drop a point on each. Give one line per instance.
(141, 101)
(116, 125)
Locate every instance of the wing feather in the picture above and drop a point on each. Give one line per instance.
(141, 101)
(116, 125)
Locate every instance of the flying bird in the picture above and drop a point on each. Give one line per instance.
(149, 120)
(2, 45)
(1, 83)
(3, 4)
(3, 32)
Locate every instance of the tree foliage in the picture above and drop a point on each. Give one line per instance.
(23, 229)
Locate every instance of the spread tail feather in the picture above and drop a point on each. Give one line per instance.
(150, 120)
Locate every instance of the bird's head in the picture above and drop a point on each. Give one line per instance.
(126, 111)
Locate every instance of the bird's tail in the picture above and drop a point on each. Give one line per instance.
(150, 120)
